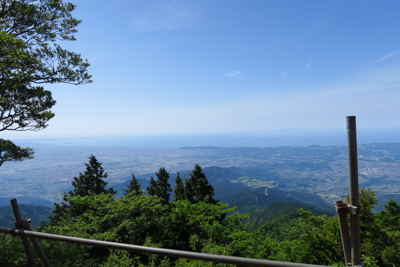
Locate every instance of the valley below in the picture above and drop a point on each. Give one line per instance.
(319, 170)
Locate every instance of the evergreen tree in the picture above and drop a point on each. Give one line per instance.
(91, 182)
(152, 188)
(389, 222)
(197, 187)
(389, 218)
(179, 190)
(133, 186)
(160, 187)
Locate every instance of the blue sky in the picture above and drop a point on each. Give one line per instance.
(230, 67)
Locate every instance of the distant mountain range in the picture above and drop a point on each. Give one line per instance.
(4, 201)
(36, 213)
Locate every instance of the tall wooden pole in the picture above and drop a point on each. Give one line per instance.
(354, 201)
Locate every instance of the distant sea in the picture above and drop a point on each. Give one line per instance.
(279, 138)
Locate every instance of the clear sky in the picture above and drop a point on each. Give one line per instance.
(222, 67)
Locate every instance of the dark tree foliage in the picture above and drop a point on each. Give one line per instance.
(197, 187)
(90, 183)
(30, 55)
(379, 236)
(11, 152)
(179, 189)
(160, 187)
(152, 188)
(390, 216)
(133, 186)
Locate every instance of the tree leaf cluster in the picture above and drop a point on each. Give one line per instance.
(160, 187)
(133, 186)
(30, 55)
(197, 188)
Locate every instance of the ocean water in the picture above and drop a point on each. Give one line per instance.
(295, 138)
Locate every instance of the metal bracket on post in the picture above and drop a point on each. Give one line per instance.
(354, 210)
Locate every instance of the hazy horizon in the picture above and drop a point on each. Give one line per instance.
(285, 137)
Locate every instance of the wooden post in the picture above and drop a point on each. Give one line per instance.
(342, 211)
(25, 242)
(34, 240)
(354, 201)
